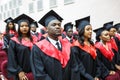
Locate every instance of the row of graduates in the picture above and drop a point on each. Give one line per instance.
(78, 59)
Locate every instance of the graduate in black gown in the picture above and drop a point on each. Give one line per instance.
(34, 32)
(68, 29)
(51, 58)
(85, 51)
(106, 55)
(114, 39)
(20, 50)
(10, 31)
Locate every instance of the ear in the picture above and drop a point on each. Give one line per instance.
(46, 29)
(100, 37)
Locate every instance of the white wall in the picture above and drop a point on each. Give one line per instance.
(101, 11)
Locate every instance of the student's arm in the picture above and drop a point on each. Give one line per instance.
(37, 65)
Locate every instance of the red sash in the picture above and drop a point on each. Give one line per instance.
(106, 53)
(23, 42)
(91, 50)
(63, 56)
(113, 43)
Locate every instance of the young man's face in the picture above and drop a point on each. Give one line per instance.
(69, 33)
(54, 28)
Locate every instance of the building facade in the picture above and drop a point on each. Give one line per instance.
(101, 11)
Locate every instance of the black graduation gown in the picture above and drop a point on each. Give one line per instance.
(92, 67)
(6, 40)
(117, 43)
(110, 65)
(45, 67)
(18, 59)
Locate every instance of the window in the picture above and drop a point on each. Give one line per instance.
(39, 5)
(19, 2)
(14, 3)
(4, 15)
(10, 5)
(17, 11)
(1, 8)
(68, 1)
(13, 13)
(8, 14)
(5, 7)
(31, 8)
(0, 16)
(53, 3)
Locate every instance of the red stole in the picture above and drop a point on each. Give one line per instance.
(11, 32)
(91, 50)
(23, 42)
(113, 43)
(106, 53)
(63, 56)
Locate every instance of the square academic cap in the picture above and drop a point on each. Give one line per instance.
(35, 24)
(23, 17)
(68, 26)
(108, 25)
(117, 26)
(80, 23)
(51, 15)
(98, 32)
(8, 20)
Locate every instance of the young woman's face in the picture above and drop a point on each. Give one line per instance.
(105, 36)
(24, 28)
(112, 31)
(10, 25)
(88, 31)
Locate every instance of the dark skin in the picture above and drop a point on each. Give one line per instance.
(10, 25)
(69, 32)
(112, 32)
(105, 37)
(33, 28)
(54, 29)
(88, 35)
(24, 30)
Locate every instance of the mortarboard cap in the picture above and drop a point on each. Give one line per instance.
(23, 17)
(98, 32)
(68, 26)
(51, 15)
(117, 26)
(35, 24)
(81, 23)
(8, 20)
(108, 25)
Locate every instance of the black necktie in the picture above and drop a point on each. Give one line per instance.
(58, 46)
(71, 41)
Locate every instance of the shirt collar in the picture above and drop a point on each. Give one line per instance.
(54, 42)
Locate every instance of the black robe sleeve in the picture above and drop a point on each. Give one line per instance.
(37, 65)
(13, 67)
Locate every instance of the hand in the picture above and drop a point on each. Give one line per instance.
(117, 66)
(22, 76)
(112, 73)
(96, 78)
(2, 77)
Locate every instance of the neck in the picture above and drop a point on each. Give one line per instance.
(86, 42)
(24, 35)
(54, 38)
(104, 42)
